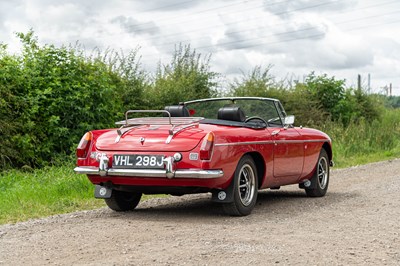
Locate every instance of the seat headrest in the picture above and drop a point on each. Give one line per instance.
(231, 113)
(177, 111)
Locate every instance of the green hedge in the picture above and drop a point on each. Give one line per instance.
(50, 96)
(314, 101)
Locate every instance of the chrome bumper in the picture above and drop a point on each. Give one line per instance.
(201, 174)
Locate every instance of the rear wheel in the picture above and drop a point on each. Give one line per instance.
(245, 188)
(320, 179)
(123, 201)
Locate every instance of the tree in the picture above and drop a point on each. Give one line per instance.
(258, 83)
(186, 77)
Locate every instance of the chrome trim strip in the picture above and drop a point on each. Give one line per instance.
(200, 174)
(269, 142)
(88, 170)
(229, 99)
(245, 143)
(300, 141)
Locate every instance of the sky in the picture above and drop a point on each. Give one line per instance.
(340, 38)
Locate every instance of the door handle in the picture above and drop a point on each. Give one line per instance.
(275, 132)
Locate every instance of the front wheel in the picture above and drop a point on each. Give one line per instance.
(123, 201)
(245, 188)
(320, 179)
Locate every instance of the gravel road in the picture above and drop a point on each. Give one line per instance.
(357, 222)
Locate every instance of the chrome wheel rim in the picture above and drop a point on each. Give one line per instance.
(323, 172)
(246, 184)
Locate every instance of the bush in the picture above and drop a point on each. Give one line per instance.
(392, 101)
(341, 104)
(11, 105)
(187, 77)
(361, 140)
(258, 83)
(306, 108)
(315, 101)
(328, 92)
(52, 96)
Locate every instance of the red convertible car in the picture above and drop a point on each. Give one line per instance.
(232, 147)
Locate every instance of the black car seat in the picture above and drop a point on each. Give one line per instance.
(231, 113)
(177, 111)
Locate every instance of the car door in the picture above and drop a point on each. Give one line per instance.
(288, 150)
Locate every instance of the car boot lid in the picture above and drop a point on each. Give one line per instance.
(153, 134)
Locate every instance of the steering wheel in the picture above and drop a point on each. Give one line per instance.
(255, 118)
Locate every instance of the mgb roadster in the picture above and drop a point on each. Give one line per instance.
(230, 147)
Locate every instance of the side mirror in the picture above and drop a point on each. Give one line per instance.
(289, 120)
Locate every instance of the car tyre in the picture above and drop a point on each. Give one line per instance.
(123, 201)
(320, 179)
(245, 188)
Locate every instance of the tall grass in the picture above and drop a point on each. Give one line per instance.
(362, 142)
(43, 192)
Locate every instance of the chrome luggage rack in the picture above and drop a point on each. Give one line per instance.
(178, 123)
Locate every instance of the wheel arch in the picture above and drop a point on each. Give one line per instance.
(328, 148)
(260, 165)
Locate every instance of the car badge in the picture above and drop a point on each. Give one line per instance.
(142, 140)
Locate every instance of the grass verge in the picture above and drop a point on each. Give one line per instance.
(364, 142)
(44, 192)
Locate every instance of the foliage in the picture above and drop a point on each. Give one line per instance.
(52, 96)
(342, 105)
(315, 101)
(132, 80)
(186, 77)
(43, 192)
(258, 83)
(10, 105)
(364, 141)
(392, 101)
(328, 91)
(306, 108)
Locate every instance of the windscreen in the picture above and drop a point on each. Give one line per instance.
(263, 108)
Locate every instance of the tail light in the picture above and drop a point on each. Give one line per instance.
(207, 147)
(84, 145)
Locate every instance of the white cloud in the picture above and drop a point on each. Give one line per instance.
(286, 9)
(136, 27)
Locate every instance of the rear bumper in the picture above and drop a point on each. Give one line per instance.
(199, 174)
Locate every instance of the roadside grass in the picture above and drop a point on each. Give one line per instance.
(53, 190)
(43, 192)
(365, 142)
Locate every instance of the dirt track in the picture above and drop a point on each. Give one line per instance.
(356, 223)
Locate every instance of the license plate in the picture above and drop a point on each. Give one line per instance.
(138, 161)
